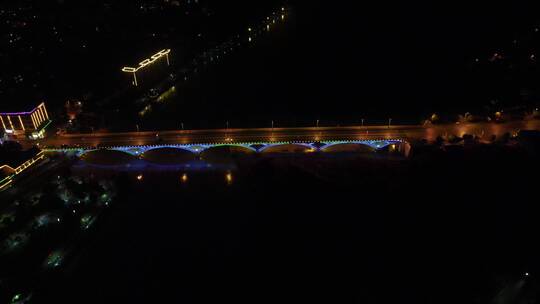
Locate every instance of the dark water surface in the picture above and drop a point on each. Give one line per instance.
(369, 230)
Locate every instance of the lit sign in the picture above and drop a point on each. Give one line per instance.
(146, 62)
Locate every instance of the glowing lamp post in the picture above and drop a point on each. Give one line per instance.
(149, 61)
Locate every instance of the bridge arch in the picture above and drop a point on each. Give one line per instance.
(229, 149)
(288, 148)
(226, 153)
(374, 144)
(106, 157)
(169, 148)
(348, 147)
(169, 155)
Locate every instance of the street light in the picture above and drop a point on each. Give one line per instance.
(227, 137)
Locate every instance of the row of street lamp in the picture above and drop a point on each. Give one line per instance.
(272, 124)
(316, 123)
(184, 178)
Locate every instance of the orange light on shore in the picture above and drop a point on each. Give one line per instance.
(184, 178)
(229, 178)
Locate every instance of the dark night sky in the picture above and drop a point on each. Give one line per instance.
(340, 62)
(416, 52)
(337, 60)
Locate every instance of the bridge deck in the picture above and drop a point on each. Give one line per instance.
(284, 135)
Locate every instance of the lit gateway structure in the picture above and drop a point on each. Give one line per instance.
(31, 124)
(161, 55)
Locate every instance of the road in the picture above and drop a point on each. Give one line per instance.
(406, 132)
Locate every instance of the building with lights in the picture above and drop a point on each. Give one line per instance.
(31, 124)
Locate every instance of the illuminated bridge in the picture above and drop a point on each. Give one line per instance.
(264, 140)
(257, 147)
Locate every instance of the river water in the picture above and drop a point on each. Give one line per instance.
(437, 229)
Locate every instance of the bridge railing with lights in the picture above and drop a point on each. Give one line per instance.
(258, 147)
